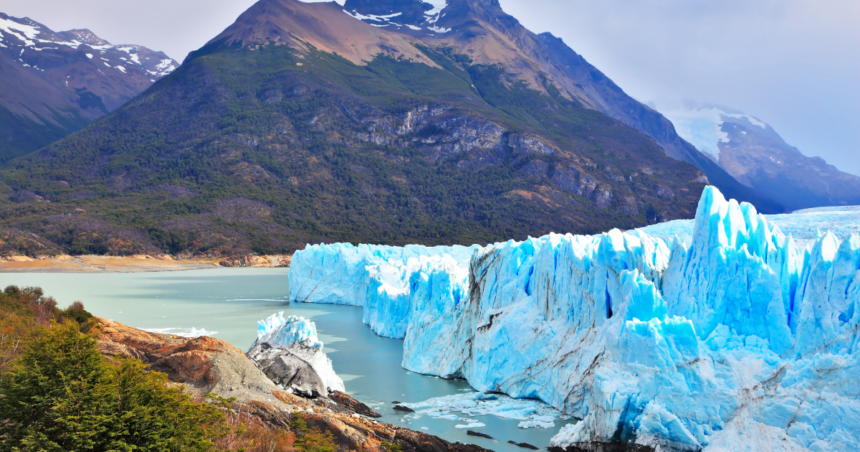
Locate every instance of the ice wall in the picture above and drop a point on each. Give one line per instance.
(734, 340)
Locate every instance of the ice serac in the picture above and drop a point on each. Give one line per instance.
(289, 352)
(735, 339)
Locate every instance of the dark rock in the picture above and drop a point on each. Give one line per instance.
(292, 372)
(403, 408)
(535, 169)
(348, 402)
(396, 402)
(474, 433)
(524, 445)
(288, 370)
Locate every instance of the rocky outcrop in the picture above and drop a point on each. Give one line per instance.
(288, 371)
(206, 365)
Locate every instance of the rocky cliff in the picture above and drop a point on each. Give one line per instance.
(210, 366)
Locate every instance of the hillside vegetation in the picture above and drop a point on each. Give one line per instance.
(263, 149)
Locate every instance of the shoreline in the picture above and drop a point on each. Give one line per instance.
(132, 264)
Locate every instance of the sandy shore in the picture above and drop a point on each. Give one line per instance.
(101, 264)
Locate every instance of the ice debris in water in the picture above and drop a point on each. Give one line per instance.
(183, 332)
(738, 339)
(532, 413)
(283, 332)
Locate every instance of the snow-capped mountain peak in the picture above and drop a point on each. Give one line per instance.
(21, 35)
(754, 154)
(703, 127)
(414, 15)
(62, 80)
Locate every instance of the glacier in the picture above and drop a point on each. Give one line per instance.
(736, 338)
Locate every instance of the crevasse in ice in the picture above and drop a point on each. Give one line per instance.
(738, 339)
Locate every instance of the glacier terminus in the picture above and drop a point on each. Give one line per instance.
(739, 338)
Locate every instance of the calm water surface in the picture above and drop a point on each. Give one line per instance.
(230, 301)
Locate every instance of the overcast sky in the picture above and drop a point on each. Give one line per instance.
(794, 64)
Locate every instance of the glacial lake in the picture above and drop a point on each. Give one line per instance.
(228, 303)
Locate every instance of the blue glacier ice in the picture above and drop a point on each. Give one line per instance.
(284, 332)
(736, 338)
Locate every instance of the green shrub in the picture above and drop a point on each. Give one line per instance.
(62, 394)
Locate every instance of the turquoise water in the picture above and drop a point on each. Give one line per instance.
(228, 302)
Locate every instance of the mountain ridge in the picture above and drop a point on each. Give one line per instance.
(56, 82)
(480, 29)
(757, 156)
(259, 147)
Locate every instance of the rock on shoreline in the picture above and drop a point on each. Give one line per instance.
(207, 365)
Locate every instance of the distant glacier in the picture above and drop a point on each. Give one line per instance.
(734, 337)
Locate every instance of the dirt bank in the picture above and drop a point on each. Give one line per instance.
(131, 264)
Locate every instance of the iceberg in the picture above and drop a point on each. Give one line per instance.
(289, 352)
(732, 338)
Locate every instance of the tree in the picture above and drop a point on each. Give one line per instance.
(63, 395)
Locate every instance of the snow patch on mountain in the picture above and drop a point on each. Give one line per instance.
(25, 32)
(738, 338)
(29, 35)
(431, 16)
(703, 127)
(438, 6)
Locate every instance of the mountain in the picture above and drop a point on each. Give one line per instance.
(481, 30)
(54, 83)
(754, 153)
(301, 124)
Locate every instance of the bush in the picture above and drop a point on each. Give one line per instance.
(311, 439)
(63, 395)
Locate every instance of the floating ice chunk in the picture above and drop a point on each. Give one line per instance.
(532, 413)
(183, 332)
(296, 336)
(284, 332)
